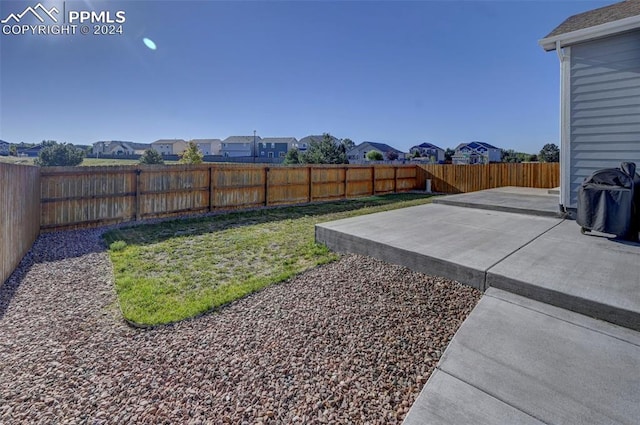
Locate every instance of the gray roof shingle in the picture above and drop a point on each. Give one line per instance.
(602, 15)
(382, 147)
(279, 140)
(242, 139)
(426, 145)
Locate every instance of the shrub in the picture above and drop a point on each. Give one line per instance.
(191, 155)
(151, 156)
(374, 156)
(292, 157)
(117, 246)
(61, 155)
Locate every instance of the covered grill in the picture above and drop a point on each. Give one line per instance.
(608, 202)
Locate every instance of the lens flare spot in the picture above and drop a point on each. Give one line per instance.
(149, 43)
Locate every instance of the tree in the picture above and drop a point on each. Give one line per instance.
(416, 153)
(509, 155)
(348, 144)
(374, 156)
(151, 156)
(191, 155)
(292, 157)
(549, 153)
(448, 154)
(392, 155)
(13, 150)
(63, 154)
(327, 151)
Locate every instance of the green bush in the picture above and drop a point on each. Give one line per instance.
(60, 155)
(191, 155)
(117, 246)
(374, 156)
(151, 156)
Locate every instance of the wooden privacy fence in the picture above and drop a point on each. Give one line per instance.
(19, 214)
(470, 178)
(94, 196)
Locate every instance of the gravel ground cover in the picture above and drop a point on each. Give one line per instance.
(353, 341)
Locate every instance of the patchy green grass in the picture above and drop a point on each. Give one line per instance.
(17, 160)
(178, 269)
(87, 162)
(99, 162)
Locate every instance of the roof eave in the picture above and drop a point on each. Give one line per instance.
(586, 34)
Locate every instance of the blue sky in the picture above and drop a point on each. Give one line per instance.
(388, 71)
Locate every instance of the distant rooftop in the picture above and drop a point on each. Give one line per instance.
(242, 139)
(428, 145)
(382, 147)
(279, 140)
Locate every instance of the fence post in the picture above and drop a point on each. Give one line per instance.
(346, 172)
(210, 187)
(138, 215)
(373, 180)
(395, 178)
(266, 186)
(310, 174)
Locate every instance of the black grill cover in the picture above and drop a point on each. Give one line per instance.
(606, 201)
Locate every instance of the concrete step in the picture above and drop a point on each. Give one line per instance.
(521, 200)
(590, 274)
(520, 361)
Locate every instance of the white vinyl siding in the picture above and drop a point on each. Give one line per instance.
(605, 106)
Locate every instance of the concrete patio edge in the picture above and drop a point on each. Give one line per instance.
(339, 241)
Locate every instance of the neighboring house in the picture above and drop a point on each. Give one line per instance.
(33, 151)
(116, 147)
(275, 147)
(599, 54)
(169, 146)
(237, 146)
(4, 147)
(476, 153)
(208, 146)
(429, 150)
(360, 151)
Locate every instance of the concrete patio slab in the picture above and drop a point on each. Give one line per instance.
(458, 243)
(589, 274)
(549, 364)
(523, 200)
(446, 400)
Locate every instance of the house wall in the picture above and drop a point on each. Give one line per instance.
(205, 148)
(360, 152)
(604, 116)
(277, 150)
(495, 155)
(429, 152)
(237, 149)
(170, 148)
(163, 148)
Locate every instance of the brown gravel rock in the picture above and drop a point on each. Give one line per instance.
(349, 342)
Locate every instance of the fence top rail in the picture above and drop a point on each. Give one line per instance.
(112, 169)
(10, 165)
